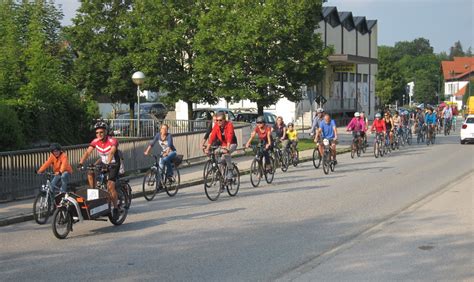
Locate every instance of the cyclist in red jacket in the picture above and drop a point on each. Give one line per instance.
(223, 131)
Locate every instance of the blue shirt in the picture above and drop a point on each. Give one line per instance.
(327, 130)
(430, 119)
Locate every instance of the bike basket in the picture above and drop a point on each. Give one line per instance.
(95, 204)
(178, 160)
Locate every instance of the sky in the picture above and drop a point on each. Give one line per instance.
(442, 22)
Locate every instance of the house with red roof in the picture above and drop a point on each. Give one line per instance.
(457, 74)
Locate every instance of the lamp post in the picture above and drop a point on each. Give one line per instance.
(403, 101)
(138, 78)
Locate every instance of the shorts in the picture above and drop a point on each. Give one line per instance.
(114, 170)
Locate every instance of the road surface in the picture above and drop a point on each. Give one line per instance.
(280, 231)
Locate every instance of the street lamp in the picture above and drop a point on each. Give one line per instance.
(403, 104)
(138, 78)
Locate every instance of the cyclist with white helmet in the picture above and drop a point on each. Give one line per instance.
(357, 126)
(318, 117)
(107, 148)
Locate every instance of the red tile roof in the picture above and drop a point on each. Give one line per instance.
(458, 68)
(461, 91)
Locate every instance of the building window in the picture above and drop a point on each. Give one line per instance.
(344, 76)
(337, 77)
(351, 77)
(365, 77)
(359, 76)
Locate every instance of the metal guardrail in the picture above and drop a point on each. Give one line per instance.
(150, 127)
(18, 180)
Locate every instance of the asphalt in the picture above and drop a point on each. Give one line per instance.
(267, 233)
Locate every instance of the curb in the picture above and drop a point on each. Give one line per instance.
(28, 217)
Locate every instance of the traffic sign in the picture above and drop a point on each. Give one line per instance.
(320, 99)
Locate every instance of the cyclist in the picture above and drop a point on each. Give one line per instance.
(327, 130)
(316, 120)
(404, 122)
(357, 126)
(279, 132)
(389, 127)
(419, 119)
(447, 115)
(107, 148)
(430, 120)
(366, 128)
(208, 132)
(397, 121)
(378, 125)
(292, 138)
(223, 132)
(61, 167)
(264, 137)
(168, 150)
(455, 114)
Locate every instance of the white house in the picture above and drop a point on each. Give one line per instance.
(349, 82)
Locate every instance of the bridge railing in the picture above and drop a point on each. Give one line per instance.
(18, 180)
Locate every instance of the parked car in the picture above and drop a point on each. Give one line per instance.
(467, 130)
(159, 110)
(121, 126)
(251, 117)
(207, 113)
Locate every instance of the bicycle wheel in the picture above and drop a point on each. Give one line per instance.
(284, 161)
(207, 166)
(296, 158)
(212, 184)
(326, 164)
(269, 174)
(358, 151)
(150, 183)
(121, 206)
(172, 183)
(62, 223)
(316, 158)
(41, 208)
(364, 146)
(353, 150)
(332, 166)
(126, 187)
(234, 185)
(255, 173)
(376, 149)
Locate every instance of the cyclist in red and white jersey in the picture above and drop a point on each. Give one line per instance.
(107, 148)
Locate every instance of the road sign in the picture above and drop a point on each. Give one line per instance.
(320, 99)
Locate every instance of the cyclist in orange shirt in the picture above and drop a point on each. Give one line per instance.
(61, 167)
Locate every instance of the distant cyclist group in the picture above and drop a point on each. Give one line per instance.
(275, 146)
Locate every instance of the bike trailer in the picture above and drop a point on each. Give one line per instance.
(93, 202)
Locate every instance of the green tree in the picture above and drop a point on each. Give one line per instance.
(456, 50)
(260, 50)
(384, 90)
(102, 66)
(161, 38)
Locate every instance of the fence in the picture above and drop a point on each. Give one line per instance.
(18, 180)
(149, 127)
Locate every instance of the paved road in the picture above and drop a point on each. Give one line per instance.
(264, 233)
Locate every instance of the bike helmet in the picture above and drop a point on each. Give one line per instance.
(54, 147)
(320, 110)
(100, 124)
(260, 119)
(357, 114)
(378, 115)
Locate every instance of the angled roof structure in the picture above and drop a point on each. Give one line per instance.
(334, 18)
(457, 69)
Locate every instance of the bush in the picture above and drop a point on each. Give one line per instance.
(11, 135)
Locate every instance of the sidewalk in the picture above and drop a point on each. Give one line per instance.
(20, 211)
(431, 241)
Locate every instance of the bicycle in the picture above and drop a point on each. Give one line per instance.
(447, 127)
(328, 162)
(431, 135)
(356, 145)
(44, 206)
(293, 154)
(408, 134)
(420, 134)
(156, 178)
(280, 156)
(215, 180)
(258, 167)
(379, 145)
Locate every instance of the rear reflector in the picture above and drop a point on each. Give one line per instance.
(464, 126)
